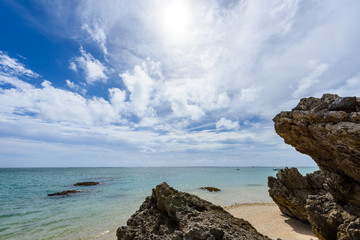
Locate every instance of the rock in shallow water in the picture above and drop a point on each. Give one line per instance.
(170, 214)
(64, 193)
(86, 183)
(210, 189)
(328, 130)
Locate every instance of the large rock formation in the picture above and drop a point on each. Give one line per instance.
(328, 130)
(170, 214)
(290, 191)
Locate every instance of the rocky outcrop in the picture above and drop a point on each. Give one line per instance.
(171, 214)
(290, 190)
(210, 189)
(63, 193)
(328, 130)
(86, 183)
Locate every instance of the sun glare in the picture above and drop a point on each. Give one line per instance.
(176, 19)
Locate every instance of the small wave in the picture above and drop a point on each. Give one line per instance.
(18, 214)
(116, 196)
(102, 234)
(4, 229)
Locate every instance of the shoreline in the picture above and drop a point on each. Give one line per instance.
(265, 217)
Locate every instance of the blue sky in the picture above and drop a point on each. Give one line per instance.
(166, 83)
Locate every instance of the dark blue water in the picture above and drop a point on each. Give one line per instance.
(26, 212)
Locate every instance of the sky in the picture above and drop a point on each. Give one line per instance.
(117, 83)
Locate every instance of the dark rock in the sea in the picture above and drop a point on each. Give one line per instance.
(290, 189)
(169, 214)
(210, 189)
(86, 183)
(64, 193)
(328, 130)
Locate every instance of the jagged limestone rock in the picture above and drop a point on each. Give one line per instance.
(328, 130)
(171, 214)
(331, 138)
(290, 189)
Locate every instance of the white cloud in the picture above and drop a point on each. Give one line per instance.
(75, 87)
(98, 35)
(351, 87)
(117, 99)
(14, 67)
(313, 78)
(140, 86)
(249, 94)
(227, 124)
(52, 104)
(14, 81)
(59, 119)
(73, 66)
(180, 100)
(93, 69)
(71, 84)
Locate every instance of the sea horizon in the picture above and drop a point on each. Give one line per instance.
(212, 166)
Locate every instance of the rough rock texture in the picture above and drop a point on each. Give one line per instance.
(170, 214)
(328, 130)
(330, 137)
(290, 190)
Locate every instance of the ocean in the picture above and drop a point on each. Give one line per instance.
(27, 212)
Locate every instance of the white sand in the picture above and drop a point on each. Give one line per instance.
(268, 220)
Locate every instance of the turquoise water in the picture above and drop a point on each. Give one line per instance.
(26, 212)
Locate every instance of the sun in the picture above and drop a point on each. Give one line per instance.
(176, 19)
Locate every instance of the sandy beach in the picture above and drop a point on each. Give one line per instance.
(268, 220)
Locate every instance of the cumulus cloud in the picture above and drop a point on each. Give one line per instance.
(67, 115)
(117, 99)
(56, 105)
(140, 86)
(73, 66)
(75, 87)
(92, 68)
(249, 94)
(227, 124)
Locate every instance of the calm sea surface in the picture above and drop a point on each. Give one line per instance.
(26, 212)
